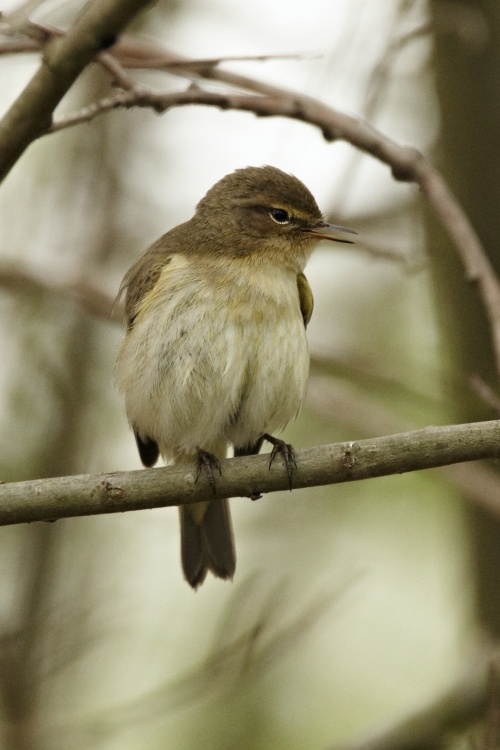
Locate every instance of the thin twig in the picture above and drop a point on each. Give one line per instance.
(95, 29)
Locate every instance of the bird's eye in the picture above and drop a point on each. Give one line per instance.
(280, 216)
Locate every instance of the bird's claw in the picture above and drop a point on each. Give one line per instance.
(288, 453)
(207, 461)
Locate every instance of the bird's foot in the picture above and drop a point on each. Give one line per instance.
(286, 450)
(208, 462)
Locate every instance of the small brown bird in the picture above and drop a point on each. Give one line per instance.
(215, 352)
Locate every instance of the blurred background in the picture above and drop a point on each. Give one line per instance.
(361, 615)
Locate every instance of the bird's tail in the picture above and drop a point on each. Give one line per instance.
(207, 541)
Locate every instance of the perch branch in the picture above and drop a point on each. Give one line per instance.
(49, 499)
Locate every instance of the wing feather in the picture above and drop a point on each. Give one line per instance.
(306, 298)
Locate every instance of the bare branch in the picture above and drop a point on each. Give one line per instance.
(63, 61)
(478, 481)
(62, 497)
(19, 46)
(118, 73)
(478, 268)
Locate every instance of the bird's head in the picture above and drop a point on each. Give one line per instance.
(265, 212)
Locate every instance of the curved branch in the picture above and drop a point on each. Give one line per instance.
(406, 164)
(62, 497)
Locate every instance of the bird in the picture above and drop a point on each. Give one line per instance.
(215, 353)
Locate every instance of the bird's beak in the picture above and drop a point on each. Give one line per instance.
(323, 230)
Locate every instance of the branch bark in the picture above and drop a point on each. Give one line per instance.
(63, 497)
(63, 60)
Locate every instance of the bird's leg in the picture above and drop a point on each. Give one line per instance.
(286, 450)
(207, 461)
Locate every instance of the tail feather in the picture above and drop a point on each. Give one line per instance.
(192, 556)
(207, 541)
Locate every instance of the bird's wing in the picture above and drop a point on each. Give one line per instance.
(306, 299)
(148, 449)
(141, 278)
